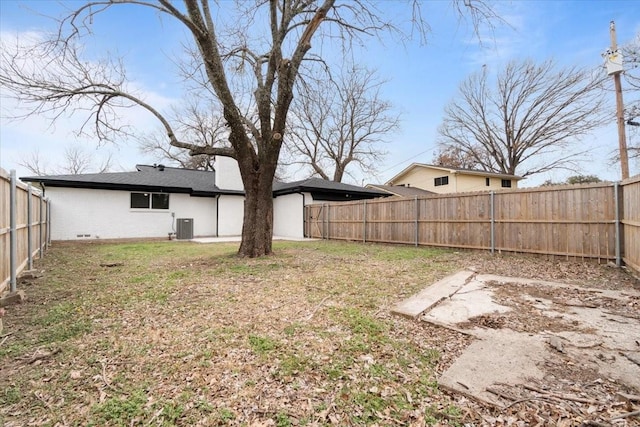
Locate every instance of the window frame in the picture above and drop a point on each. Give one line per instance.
(506, 183)
(441, 181)
(159, 201)
(155, 201)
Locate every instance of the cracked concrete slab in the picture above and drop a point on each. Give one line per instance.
(472, 299)
(501, 356)
(430, 296)
(525, 327)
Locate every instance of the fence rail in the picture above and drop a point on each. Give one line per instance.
(24, 228)
(600, 221)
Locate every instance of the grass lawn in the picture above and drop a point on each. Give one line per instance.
(188, 334)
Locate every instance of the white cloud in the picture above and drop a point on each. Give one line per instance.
(38, 132)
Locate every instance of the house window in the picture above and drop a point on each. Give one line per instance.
(149, 200)
(487, 182)
(140, 200)
(159, 201)
(441, 180)
(506, 183)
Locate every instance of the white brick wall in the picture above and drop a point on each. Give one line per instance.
(288, 215)
(107, 214)
(78, 213)
(230, 215)
(228, 174)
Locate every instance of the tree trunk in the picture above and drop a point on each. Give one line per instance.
(338, 173)
(257, 228)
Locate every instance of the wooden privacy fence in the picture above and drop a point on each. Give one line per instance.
(572, 221)
(631, 222)
(24, 227)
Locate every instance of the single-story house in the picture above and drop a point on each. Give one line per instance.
(443, 179)
(154, 201)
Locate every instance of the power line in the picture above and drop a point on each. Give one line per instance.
(409, 159)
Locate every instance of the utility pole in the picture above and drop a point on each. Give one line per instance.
(614, 67)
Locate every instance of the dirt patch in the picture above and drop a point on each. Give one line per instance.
(585, 274)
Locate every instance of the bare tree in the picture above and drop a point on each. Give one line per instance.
(195, 122)
(340, 123)
(454, 157)
(575, 179)
(155, 145)
(527, 123)
(34, 163)
(76, 160)
(583, 179)
(249, 58)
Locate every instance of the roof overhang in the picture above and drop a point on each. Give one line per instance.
(331, 194)
(48, 182)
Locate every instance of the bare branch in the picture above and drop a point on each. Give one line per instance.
(526, 125)
(76, 160)
(34, 163)
(481, 14)
(340, 124)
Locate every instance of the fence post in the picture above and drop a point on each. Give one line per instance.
(324, 220)
(417, 216)
(13, 238)
(40, 230)
(493, 222)
(364, 221)
(29, 229)
(48, 219)
(328, 222)
(616, 202)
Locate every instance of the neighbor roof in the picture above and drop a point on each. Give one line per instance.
(321, 187)
(401, 190)
(454, 171)
(145, 178)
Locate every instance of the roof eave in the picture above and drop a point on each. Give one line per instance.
(307, 189)
(486, 174)
(118, 186)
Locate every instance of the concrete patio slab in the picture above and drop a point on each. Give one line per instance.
(473, 299)
(502, 356)
(525, 329)
(432, 295)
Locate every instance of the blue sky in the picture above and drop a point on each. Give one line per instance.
(422, 79)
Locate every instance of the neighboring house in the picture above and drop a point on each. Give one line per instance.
(441, 179)
(400, 190)
(151, 201)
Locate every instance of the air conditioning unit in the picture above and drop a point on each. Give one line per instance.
(184, 228)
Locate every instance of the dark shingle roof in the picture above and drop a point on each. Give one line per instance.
(194, 182)
(146, 178)
(323, 186)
